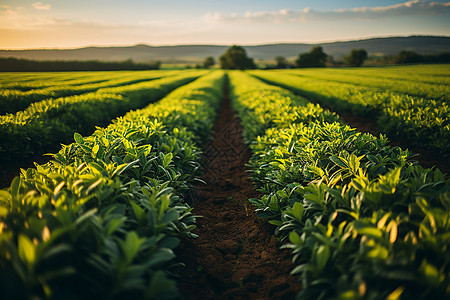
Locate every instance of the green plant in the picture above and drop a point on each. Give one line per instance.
(101, 219)
(44, 125)
(362, 220)
(423, 121)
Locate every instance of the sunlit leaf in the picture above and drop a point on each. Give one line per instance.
(27, 250)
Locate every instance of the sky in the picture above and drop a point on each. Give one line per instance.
(70, 24)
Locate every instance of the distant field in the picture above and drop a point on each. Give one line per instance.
(408, 101)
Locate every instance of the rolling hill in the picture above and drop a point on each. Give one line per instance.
(196, 53)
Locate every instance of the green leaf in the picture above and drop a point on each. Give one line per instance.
(165, 202)
(96, 166)
(349, 294)
(276, 222)
(396, 295)
(365, 229)
(55, 250)
(114, 224)
(322, 255)
(128, 166)
(15, 187)
(5, 200)
(167, 159)
(170, 216)
(164, 191)
(370, 231)
(95, 150)
(3, 211)
(27, 250)
(297, 210)
(438, 176)
(89, 214)
(59, 187)
(139, 212)
(263, 214)
(160, 257)
(78, 138)
(359, 183)
(338, 161)
(131, 246)
(316, 170)
(295, 238)
(93, 186)
(282, 194)
(85, 148)
(5, 196)
(301, 269)
(430, 272)
(159, 284)
(378, 252)
(128, 144)
(118, 169)
(118, 160)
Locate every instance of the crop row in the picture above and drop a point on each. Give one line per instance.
(435, 74)
(362, 220)
(14, 100)
(384, 80)
(101, 219)
(46, 124)
(425, 122)
(26, 81)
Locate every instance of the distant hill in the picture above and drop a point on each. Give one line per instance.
(196, 53)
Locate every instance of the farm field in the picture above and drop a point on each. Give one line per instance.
(43, 125)
(414, 107)
(18, 95)
(263, 156)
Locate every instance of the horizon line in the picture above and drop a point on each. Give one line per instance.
(220, 45)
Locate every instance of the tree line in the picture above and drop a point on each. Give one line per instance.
(235, 57)
(25, 65)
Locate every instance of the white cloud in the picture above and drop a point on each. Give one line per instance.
(16, 18)
(409, 8)
(41, 6)
(7, 10)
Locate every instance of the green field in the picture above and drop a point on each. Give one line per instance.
(363, 219)
(65, 109)
(410, 101)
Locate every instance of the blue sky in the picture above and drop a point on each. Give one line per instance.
(68, 23)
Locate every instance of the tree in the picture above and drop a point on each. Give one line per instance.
(282, 63)
(356, 57)
(405, 57)
(314, 58)
(208, 62)
(236, 58)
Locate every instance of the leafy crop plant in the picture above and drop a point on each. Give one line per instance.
(362, 220)
(101, 220)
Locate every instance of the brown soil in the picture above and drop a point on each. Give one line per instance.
(236, 255)
(426, 158)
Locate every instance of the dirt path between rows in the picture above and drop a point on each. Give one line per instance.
(236, 255)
